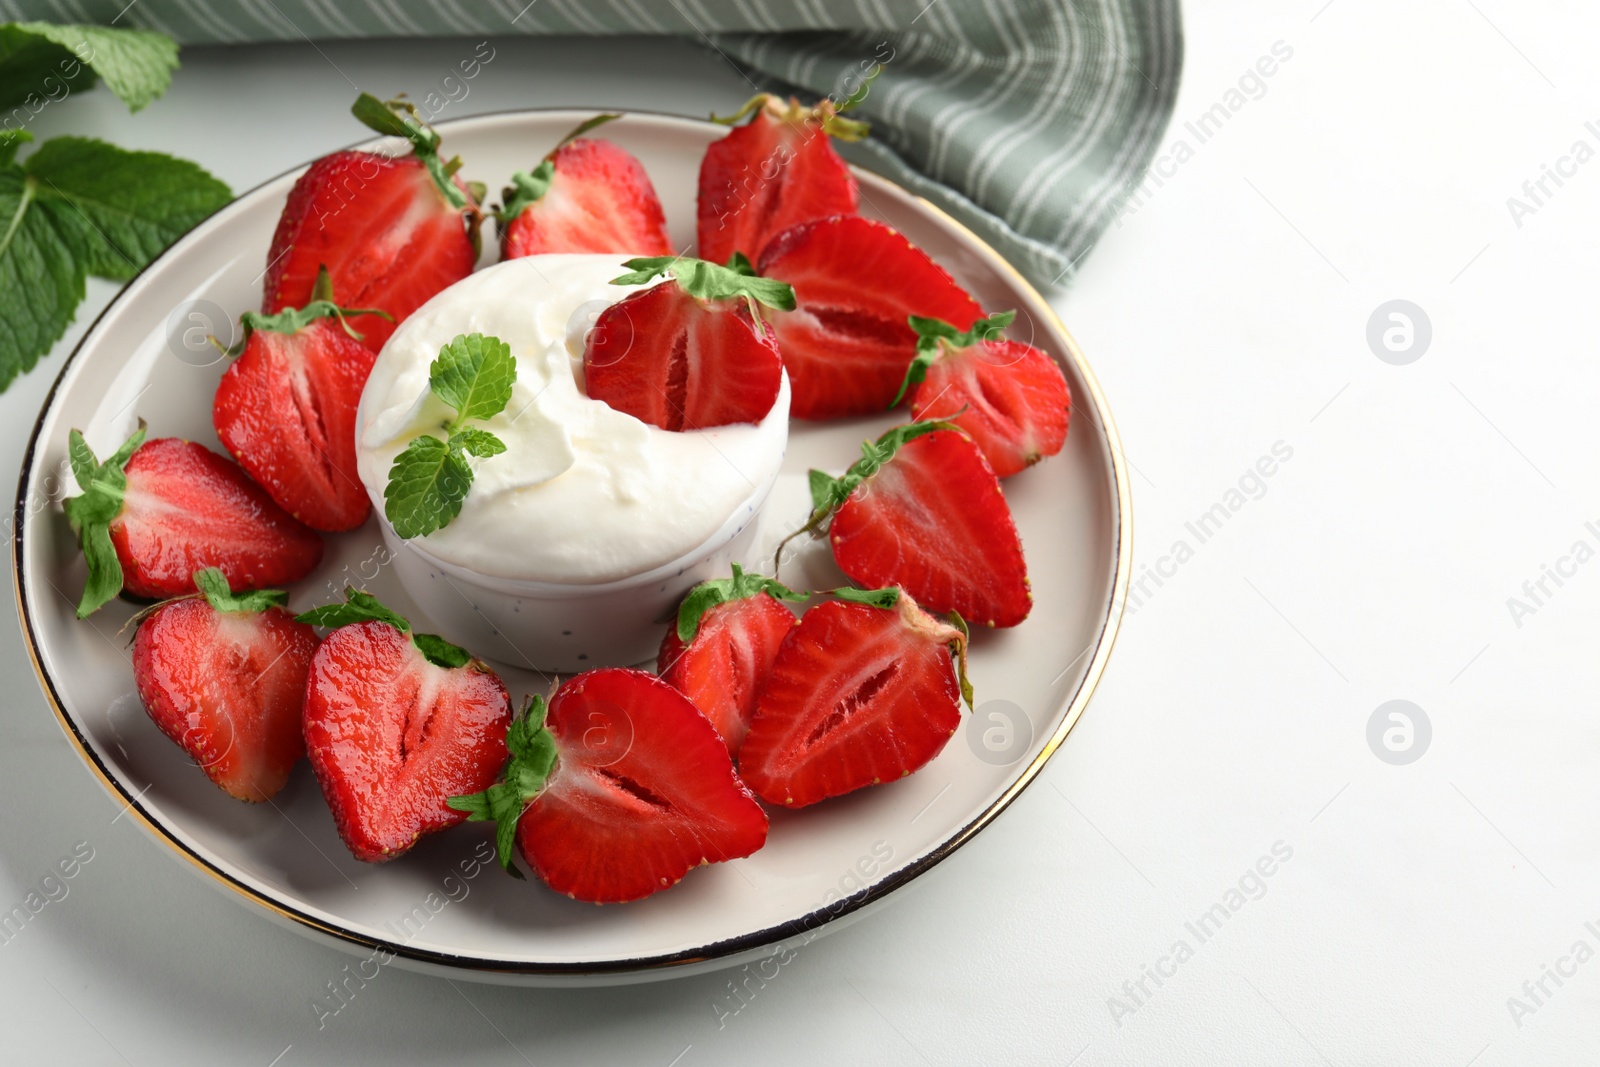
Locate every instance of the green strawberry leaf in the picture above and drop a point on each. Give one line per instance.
(474, 374)
(398, 118)
(44, 62)
(582, 128)
(427, 485)
(709, 281)
(293, 320)
(526, 188)
(878, 598)
(532, 756)
(359, 606)
(828, 493)
(708, 594)
(91, 512)
(213, 584)
(935, 337)
(440, 652)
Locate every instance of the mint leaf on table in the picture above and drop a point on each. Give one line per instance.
(77, 207)
(428, 482)
(41, 62)
(132, 204)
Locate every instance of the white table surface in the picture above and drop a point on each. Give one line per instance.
(1227, 315)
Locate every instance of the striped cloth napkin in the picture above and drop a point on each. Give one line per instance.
(1028, 120)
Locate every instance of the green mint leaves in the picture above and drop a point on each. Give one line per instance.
(533, 755)
(41, 63)
(213, 585)
(429, 480)
(708, 281)
(707, 595)
(360, 606)
(78, 207)
(91, 512)
(398, 118)
(936, 335)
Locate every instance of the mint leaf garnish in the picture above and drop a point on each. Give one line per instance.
(936, 335)
(428, 482)
(78, 207)
(532, 756)
(707, 595)
(91, 512)
(127, 207)
(213, 584)
(45, 61)
(361, 606)
(709, 281)
(474, 374)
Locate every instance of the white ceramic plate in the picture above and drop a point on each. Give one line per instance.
(438, 908)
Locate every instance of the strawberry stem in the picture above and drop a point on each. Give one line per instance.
(91, 514)
(532, 756)
(293, 320)
(361, 606)
(707, 595)
(398, 118)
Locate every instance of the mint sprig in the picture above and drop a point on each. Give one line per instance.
(78, 207)
(934, 336)
(428, 482)
(829, 493)
(92, 511)
(709, 281)
(44, 62)
(532, 757)
(708, 594)
(213, 585)
(361, 606)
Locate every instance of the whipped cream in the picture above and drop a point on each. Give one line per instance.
(583, 494)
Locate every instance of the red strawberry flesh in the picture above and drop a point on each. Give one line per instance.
(764, 177)
(185, 508)
(723, 669)
(847, 344)
(392, 736)
(286, 409)
(674, 361)
(599, 200)
(228, 688)
(934, 521)
(381, 226)
(642, 791)
(858, 695)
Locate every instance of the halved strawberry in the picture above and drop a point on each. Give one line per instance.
(923, 510)
(776, 171)
(396, 723)
(618, 790)
(286, 409)
(847, 344)
(157, 511)
(865, 690)
(692, 352)
(585, 196)
(224, 676)
(1011, 398)
(392, 231)
(720, 649)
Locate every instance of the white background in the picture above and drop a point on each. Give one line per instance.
(1227, 314)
